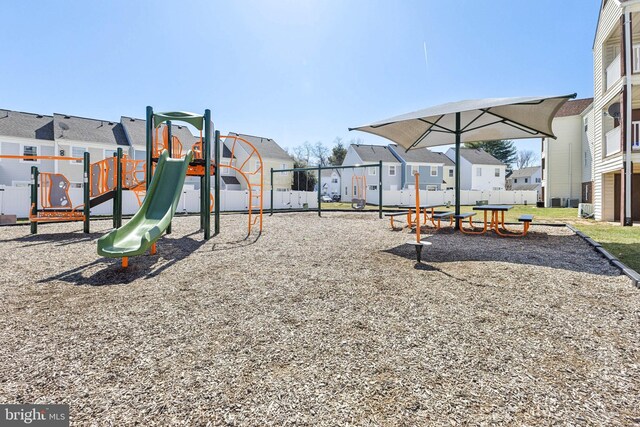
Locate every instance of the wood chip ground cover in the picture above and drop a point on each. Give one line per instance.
(320, 321)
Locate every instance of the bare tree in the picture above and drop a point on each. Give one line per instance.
(525, 158)
(321, 153)
(303, 153)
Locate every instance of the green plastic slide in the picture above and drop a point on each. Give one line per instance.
(155, 214)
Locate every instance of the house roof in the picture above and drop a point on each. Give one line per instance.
(267, 147)
(374, 153)
(136, 130)
(524, 172)
(327, 173)
(574, 108)
(89, 130)
(26, 125)
(423, 155)
(230, 180)
(476, 156)
(527, 187)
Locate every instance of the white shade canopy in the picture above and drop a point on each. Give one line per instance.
(480, 120)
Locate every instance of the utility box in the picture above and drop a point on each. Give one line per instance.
(8, 219)
(556, 202)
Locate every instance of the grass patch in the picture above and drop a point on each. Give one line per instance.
(621, 242)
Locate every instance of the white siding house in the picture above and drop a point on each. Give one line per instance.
(24, 134)
(563, 159)
(273, 157)
(479, 170)
(616, 112)
(359, 154)
(330, 182)
(526, 179)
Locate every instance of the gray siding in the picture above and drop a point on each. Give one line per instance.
(16, 170)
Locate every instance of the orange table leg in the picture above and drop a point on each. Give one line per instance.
(125, 262)
(153, 249)
(409, 218)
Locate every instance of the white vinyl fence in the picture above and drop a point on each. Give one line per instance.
(467, 197)
(16, 201)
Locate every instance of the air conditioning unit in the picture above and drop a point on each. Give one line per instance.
(556, 202)
(585, 210)
(573, 203)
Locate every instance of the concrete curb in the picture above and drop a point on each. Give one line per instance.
(624, 269)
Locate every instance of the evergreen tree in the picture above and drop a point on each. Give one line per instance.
(338, 152)
(503, 150)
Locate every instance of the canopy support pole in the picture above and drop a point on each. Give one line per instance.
(458, 139)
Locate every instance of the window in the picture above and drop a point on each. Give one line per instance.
(450, 173)
(373, 171)
(586, 124)
(346, 190)
(515, 180)
(478, 171)
(77, 152)
(30, 150)
(76, 185)
(334, 180)
(538, 180)
(282, 189)
(413, 170)
(373, 187)
(434, 171)
(526, 180)
(21, 183)
(432, 188)
(283, 166)
(585, 158)
(392, 170)
(636, 58)
(497, 171)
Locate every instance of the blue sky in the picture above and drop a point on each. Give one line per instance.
(291, 70)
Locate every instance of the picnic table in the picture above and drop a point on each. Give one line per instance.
(497, 221)
(428, 212)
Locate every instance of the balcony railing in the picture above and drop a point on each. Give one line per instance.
(612, 141)
(613, 72)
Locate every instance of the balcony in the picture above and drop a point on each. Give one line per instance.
(612, 141)
(613, 72)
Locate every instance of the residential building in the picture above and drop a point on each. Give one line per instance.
(432, 166)
(360, 154)
(566, 160)
(330, 181)
(136, 133)
(526, 179)
(616, 112)
(479, 170)
(273, 157)
(25, 134)
(76, 135)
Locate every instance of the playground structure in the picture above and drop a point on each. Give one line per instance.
(166, 168)
(361, 190)
(103, 181)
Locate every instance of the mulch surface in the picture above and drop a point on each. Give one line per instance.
(319, 321)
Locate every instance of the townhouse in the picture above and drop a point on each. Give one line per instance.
(432, 166)
(359, 154)
(273, 157)
(25, 134)
(526, 179)
(479, 170)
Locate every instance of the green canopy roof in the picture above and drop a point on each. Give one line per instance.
(196, 120)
